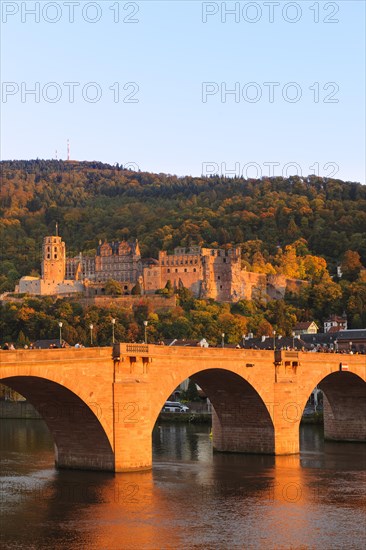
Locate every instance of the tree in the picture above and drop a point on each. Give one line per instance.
(113, 288)
(136, 290)
(282, 316)
(22, 340)
(192, 392)
(186, 298)
(234, 326)
(351, 265)
(264, 328)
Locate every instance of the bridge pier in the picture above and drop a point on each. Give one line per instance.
(235, 435)
(286, 414)
(345, 420)
(344, 411)
(132, 427)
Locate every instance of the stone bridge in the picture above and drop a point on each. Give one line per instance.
(101, 407)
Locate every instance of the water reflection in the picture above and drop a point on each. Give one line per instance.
(193, 498)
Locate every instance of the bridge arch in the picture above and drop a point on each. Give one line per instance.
(241, 420)
(344, 406)
(80, 440)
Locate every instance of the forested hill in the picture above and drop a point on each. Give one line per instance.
(92, 201)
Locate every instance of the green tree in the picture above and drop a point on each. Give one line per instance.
(192, 392)
(113, 288)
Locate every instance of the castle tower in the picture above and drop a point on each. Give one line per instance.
(53, 259)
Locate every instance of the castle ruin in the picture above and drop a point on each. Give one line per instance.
(207, 273)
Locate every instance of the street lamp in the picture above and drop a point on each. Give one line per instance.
(243, 337)
(113, 321)
(350, 347)
(145, 330)
(293, 340)
(274, 340)
(91, 326)
(223, 339)
(60, 325)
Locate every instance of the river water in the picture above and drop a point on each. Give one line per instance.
(192, 499)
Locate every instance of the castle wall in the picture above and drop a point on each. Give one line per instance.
(278, 284)
(41, 287)
(215, 274)
(29, 285)
(184, 267)
(250, 286)
(152, 278)
(154, 302)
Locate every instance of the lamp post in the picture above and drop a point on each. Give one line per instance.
(350, 347)
(293, 340)
(113, 321)
(91, 326)
(243, 337)
(223, 340)
(145, 330)
(60, 325)
(274, 340)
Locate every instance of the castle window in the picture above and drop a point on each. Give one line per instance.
(220, 287)
(176, 270)
(126, 287)
(55, 256)
(185, 270)
(224, 260)
(186, 262)
(168, 270)
(48, 256)
(191, 262)
(194, 270)
(218, 278)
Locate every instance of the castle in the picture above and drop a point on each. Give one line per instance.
(208, 273)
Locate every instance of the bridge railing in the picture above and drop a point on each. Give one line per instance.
(137, 348)
(129, 348)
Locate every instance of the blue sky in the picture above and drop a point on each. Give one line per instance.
(171, 70)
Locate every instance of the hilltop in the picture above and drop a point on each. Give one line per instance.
(301, 227)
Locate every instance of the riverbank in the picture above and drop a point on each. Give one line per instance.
(313, 418)
(24, 410)
(193, 417)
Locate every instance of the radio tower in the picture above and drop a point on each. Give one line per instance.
(68, 149)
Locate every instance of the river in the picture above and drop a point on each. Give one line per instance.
(192, 499)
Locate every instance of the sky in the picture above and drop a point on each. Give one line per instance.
(187, 87)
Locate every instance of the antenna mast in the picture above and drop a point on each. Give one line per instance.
(68, 149)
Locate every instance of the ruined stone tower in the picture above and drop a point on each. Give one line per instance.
(53, 259)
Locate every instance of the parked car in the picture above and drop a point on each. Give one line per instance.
(175, 406)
